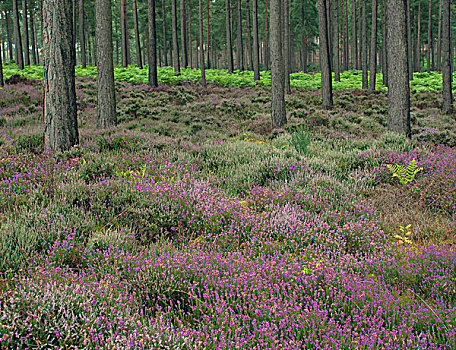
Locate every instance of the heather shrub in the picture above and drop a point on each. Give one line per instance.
(31, 143)
(96, 170)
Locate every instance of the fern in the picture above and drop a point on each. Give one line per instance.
(300, 139)
(404, 174)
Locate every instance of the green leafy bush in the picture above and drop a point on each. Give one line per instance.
(300, 139)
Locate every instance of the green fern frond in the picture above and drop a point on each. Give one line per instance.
(405, 174)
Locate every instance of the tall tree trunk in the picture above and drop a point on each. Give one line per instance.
(176, 62)
(145, 50)
(189, 34)
(446, 58)
(373, 48)
(418, 40)
(429, 44)
(256, 47)
(75, 21)
(3, 35)
(439, 39)
(279, 115)
(249, 58)
(59, 107)
(364, 44)
(239, 44)
(229, 43)
(116, 28)
(33, 38)
(106, 98)
(81, 33)
(201, 40)
(325, 61)
(345, 37)
(286, 44)
(360, 35)
(183, 30)
(1, 65)
(266, 36)
(384, 46)
(26, 36)
(137, 38)
(335, 40)
(398, 82)
(124, 34)
(409, 40)
(153, 78)
(9, 36)
(17, 36)
(209, 40)
(165, 49)
(354, 37)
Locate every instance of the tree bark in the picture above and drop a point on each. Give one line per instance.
(239, 44)
(304, 40)
(373, 48)
(325, 62)
(106, 98)
(266, 36)
(364, 44)
(1, 68)
(33, 36)
(344, 35)
(81, 33)
(124, 47)
(3, 35)
(209, 38)
(137, 38)
(183, 30)
(256, 47)
(17, 36)
(398, 82)
(446, 58)
(286, 44)
(59, 107)
(417, 67)
(189, 34)
(249, 58)
(176, 62)
(429, 43)
(26, 36)
(229, 43)
(335, 40)
(153, 77)
(409, 41)
(439, 39)
(9, 36)
(279, 115)
(384, 46)
(354, 37)
(201, 40)
(165, 48)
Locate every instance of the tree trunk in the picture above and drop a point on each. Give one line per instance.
(3, 36)
(249, 64)
(106, 99)
(398, 82)
(279, 115)
(145, 50)
(165, 49)
(116, 28)
(239, 44)
(137, 38)
(9, 36)
(439, 39)
(384, 46)
(17, 36)
(59, 107)
(266, 36)
(325, 62)
(256, 47)
(344, 35)
(354, 37)
(176, 62)
(33, 38)
(26, 36)
(124, 34)
(189, 34)
(1, 67)
(201, 40)
(229, 43)
(418, 40)
(81, 33)
(304, 40)
(335, 40)
(286, 44)
(446, 58)
(373, 48)
(209, 43)
(429, 44)
(183, 30)
(360, 35)
(153, 78)
(409, 41)
(364, 44)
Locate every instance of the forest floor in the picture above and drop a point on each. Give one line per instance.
(193, 224)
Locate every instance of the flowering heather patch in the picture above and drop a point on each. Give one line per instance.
(194, 226)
